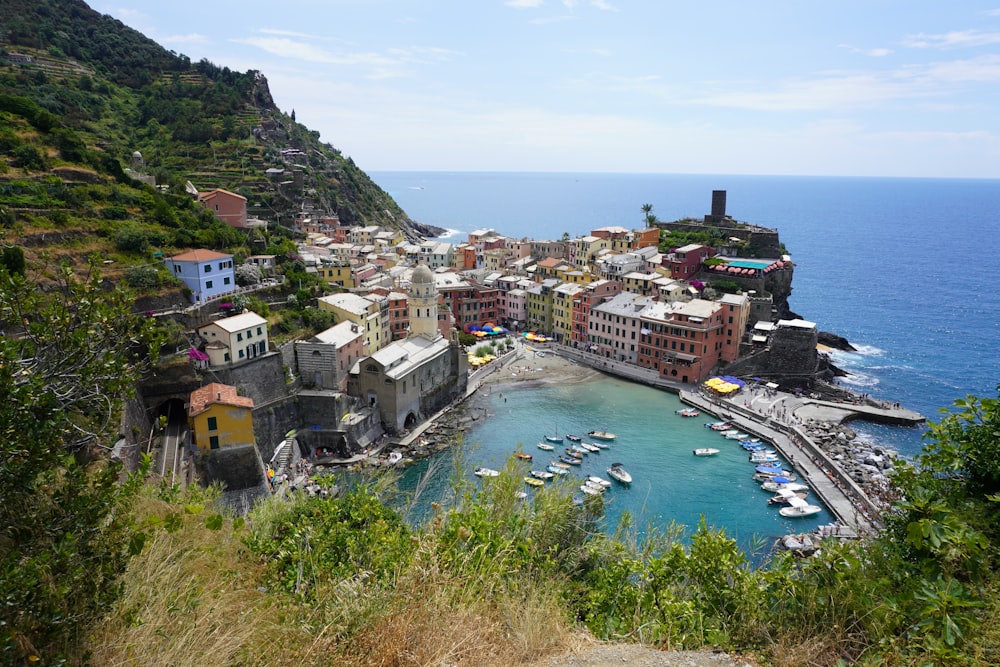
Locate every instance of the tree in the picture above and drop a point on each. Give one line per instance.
(69, 356)
(647, 214)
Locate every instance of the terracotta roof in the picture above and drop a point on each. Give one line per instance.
(550, 262)
(217, 191)
(216, 393)
(200, 255)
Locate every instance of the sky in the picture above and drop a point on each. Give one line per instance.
(906, 88)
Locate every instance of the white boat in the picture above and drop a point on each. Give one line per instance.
(595, 485)
(774, 486)
(600, 481)
(736, 436)
(589, 447)
(763, 457)
(784, 497)
(717, 426)
(559, 464)
(577, 451)
(541, 474)
(687, 412)
(546, 446)
(556, 471)
(599, 445)
(706, 451)
(590, 490)
(602, 435)
(554, 438)
(486, 472)
(797, 508)
(616, 471)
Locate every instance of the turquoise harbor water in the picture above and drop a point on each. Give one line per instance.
(904, 268)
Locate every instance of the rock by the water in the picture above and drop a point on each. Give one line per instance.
(834, 341)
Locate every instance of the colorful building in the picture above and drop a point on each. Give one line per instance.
(234, 339)
(218, 417)
(208, 274)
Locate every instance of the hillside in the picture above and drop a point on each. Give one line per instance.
(87, 103)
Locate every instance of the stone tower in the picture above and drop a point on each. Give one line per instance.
(423, 303)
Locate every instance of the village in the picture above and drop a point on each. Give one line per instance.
(420, 325)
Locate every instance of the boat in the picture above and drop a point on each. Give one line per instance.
(706, 451)
(763, 457)
(546, 446)
(687, 412)
(589, 447)
(555, 470)
(573, 438)
(735, 436)
(728, 432)
(773, 485)
(524, 456)
(618, 472)
(750, 441)
(577, 451)
(531, 481)
(718, 426)
(572, 460)
(599, 445)
(521, 495)
(541, 474)
(783, 496)
(486, 472)
(590, 490)
(600, 481)
(602, 435)
(557, 439)
(560, 464)
(595, 485)
(799, 508)
(768, 476)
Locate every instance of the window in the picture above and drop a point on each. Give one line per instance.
(241, 354)
(208, 284)
(225, 281)
(208, 268)
(213, 442)
(213, 424)
(239, 336)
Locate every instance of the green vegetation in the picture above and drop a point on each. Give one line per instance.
(708, 236)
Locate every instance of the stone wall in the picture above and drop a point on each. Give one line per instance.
(263, 379)
(238, 467)
(134, 432)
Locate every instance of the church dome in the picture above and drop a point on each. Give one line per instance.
(422, 275)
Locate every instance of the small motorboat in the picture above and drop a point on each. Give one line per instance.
(775, 484)
(577, 451)
(600, 481)
(556, 470)
(546, 446)
(797, 508)
(687, 412)
(486, 472)
(541, 474)
(524, 456)
(572, 460)
(735, 436)
(763, 457)
(573, 438)
(706, 451)
(607, 436)
(557, 439)
(560, 464)
(595, 485)
(618, 472)
(784, 496)
(599, 445)
(589, 447)
(591, 490)
(531, 481)
(718, 426)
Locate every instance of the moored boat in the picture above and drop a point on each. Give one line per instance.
(556, 470)
(590, 490)
(735, 436)
(557, 439)
(607, 436)
(560, 464)
(546, 446)
(589, 447)
(486, 472)
(718, 426)
(706, 451)
(524, 456)
(572, 460)
(784, 496)
(618, 472)
(573, 438)
(799, 508)
(577, 451)
(599, 445)
(763, 457)
(600, 481)
(687, 412)
(777, 483)
(531, 481)
(541, 474)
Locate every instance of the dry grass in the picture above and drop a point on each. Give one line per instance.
(192, 598)
(188, 600)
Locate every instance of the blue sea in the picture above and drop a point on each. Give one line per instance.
(905, 269)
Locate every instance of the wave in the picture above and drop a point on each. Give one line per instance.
(449, 233)
(856, 379)
(868, 351)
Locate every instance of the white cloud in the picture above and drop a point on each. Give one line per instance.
(874, 53)
(951, 40)
(985, 68)
(603, 5)
(524, 4)
(191, 38)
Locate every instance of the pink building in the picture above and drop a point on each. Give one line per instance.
(228, 207)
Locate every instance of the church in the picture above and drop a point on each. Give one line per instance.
(409, 380)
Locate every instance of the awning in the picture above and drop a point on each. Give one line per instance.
(771, 385)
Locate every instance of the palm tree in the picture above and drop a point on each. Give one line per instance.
(647, 210)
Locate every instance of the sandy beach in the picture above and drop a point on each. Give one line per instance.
(540, 367)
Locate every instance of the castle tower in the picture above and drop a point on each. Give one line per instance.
(423, 303)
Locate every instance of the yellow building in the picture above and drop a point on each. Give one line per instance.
(218, 417)
(562, 310)
(366, 313)
(339, 274)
